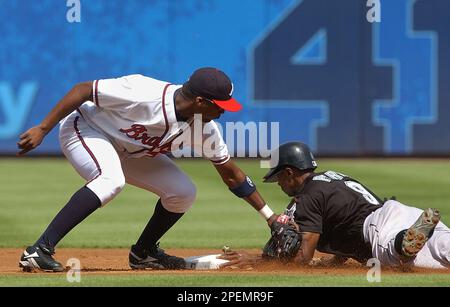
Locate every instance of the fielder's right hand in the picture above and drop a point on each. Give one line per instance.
(30, 139)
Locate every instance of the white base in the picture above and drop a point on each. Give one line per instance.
(207, 262)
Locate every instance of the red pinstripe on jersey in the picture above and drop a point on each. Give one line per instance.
(221, 161)
(75, 125)
(96, 93)
(164, 110)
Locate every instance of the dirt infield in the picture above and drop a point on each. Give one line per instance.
(115, 261)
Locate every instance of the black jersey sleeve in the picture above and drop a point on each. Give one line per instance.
(308, 214)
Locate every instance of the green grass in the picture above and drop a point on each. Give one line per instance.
(33, 190)
(226, 281)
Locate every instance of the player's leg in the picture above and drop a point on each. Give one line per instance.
(381, 229)
(412, 240)
(386, 228)
(95, 159)
(436, 252)
(177, 194)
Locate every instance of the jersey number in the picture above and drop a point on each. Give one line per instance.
(360, 189)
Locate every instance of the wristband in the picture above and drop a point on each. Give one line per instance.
(266, 212)
(245, 189)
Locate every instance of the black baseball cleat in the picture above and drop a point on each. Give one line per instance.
(418, 234)
(155, 258)
(39, 257)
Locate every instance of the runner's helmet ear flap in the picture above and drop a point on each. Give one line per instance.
(295, 154)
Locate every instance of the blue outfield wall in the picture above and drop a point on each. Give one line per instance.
(318, 67)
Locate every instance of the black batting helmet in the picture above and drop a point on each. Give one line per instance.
(295, 154)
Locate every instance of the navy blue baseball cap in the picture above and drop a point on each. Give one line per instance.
(213, 84)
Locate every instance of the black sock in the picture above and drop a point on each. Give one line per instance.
(161, 221)
(398, 242)
(80, 206)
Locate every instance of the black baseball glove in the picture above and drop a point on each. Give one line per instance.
(284, 243)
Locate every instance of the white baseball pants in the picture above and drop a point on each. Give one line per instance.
(383, 225)
(106, 170)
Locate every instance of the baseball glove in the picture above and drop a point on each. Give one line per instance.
(284, 242)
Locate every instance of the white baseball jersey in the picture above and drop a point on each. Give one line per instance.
(138, 114)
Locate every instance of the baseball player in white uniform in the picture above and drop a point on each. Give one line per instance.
(118, 131)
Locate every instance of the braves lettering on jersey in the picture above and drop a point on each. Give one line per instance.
(138, 114)
(335, 206)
